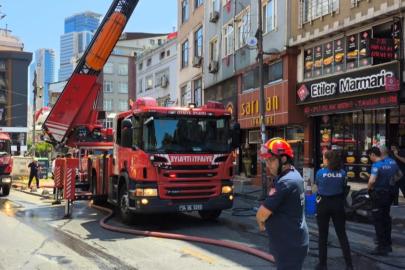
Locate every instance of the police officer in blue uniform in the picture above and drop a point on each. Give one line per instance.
(282, 213)
(379, 189)
(396, 173)
(330, 183)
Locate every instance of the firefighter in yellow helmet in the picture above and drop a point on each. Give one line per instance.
(282, 213)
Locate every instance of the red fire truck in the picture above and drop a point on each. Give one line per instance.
(162, 159)
(6, 164)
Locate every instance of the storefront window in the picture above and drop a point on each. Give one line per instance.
(295, 137)
(352, 135)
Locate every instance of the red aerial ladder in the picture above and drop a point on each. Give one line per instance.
(77, 103)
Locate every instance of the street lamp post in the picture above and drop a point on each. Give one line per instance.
(272, 51)
(36, 88)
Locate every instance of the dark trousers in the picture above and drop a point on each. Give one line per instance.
(332, 207)
(36, 178)
(380, 214)
(400, 185)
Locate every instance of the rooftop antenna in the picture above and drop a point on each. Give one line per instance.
(2, 15)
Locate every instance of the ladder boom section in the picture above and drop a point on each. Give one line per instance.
(80, 93)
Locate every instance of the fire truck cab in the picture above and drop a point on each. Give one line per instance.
(6, 164)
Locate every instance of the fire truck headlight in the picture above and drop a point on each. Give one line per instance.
(6, 180)
(150, 192)
(139, 192)
(226, 189)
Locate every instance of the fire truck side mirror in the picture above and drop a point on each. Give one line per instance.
(235, 135)
(126, 133)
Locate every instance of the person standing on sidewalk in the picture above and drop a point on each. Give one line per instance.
(330, 183)
(396, 175)
(379, 190)
(399, 157)
(282, 213)
(34, 172)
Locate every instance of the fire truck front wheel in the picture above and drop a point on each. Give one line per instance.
(6, 190)
(209, 214)
(127, 216)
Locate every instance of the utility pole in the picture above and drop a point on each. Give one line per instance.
(261, 96)
(33, 112)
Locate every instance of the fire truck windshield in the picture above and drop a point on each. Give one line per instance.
(5, 147)
(186, 135)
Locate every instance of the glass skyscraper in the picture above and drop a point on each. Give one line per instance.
(44, 65)
(79, 30)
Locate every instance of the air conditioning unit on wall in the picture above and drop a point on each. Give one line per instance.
(255, 136)
(213, 67)
(197, 61)
(214, 16)
(164, 81)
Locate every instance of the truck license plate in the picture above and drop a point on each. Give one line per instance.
(191, 207)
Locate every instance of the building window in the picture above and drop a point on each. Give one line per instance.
(268, 16)
(107, 104)
(243, 29)
(152, 41)
(149, 82)
(108, 123)
(168, 53)
(159, 75)
(184, 54)
(184, 11)
(214, 5)
(312, 9)
(140, 66)
(198, 3)
(149, 62)
(123, 69)
(184, 96)
(198, 35)
(162, 55)
(228, 40)
(140, 86)
(214, 50)
(108, 68)
(276, 72)
(108, 86)
(198, 92)
(123, 106)
(123, 87)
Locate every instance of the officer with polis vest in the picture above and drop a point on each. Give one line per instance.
(330, 183)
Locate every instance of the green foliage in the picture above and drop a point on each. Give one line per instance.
(41, 148)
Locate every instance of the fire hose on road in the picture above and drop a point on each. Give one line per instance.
(209, 241)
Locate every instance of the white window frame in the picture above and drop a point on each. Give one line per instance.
(184, 10)
(149, 82)
(140, 85)
(213, 54)
(108, 122)
(123, 69)
(314, 9)
(108, 68)
(184, 54)
(123, 106)
(159, 75)
(108, 104)
(123, 87)
(214, 5)
(243, 27)
(108, 86)
(265, 5)
(227, 39)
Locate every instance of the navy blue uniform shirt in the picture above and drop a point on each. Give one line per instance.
(394, 168)
(383, 171)
(34, 168)
(286, 227)
(330, 182)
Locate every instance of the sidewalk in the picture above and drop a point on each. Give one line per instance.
(245, 189)
(45, 187)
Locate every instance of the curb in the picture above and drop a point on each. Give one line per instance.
(34, 194)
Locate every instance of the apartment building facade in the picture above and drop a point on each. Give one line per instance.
(350, 77)
(191, 59)
(156, 73)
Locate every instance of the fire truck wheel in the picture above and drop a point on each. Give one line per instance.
(210, 214)
(6, 191)
(127, 216)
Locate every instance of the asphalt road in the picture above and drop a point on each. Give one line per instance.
(34, 235)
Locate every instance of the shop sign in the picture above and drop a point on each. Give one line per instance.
(360, 103)
(253, 106)
(397, 36)
(391, 84)
(268, 120)
(361, 82)
(380, 48)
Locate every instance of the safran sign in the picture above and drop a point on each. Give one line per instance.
(347, 85)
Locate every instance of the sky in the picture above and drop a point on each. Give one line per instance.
(39, 23)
